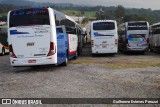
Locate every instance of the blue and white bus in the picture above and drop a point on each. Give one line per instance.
(40, 36)
(134, 36)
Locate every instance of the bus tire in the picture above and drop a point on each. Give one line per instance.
(143, 52)
(93, 55)
(66, 60)
(150, 49)
(3, 51)
(76, 55)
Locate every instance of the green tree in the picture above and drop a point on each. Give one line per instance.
(119, 12)
(100, 14)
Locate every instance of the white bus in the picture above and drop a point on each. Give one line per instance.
(40, 36)
(154, 37)
(134, 36)
(104, 37)
(4, 49)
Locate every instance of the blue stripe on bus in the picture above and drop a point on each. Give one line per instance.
(15, 32)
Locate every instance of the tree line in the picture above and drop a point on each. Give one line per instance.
(119, 13)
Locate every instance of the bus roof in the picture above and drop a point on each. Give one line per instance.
(103, 21)
(155, 24)
(136, 21)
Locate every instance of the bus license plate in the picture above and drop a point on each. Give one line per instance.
(31, 61)
(104, 46)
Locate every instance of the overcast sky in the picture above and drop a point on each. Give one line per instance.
(153, 4)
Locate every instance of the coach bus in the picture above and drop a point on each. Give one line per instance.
(104, 37)
(40, 36)
(4, 49)
(134, 36)
(154, 37)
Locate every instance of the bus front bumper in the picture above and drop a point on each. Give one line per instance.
(137, 49)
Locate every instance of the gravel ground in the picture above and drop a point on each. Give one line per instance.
(82, 80)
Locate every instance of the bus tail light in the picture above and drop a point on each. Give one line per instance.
(11, 52)
(116, 41)
(92, 43)
(52, 50)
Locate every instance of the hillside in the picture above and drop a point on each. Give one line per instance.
(119, 13)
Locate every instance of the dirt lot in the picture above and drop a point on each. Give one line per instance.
(120, 76)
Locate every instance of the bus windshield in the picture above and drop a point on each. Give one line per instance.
(104, 26)
(137, 26)
(28, 17)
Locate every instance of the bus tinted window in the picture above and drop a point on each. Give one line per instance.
(156, 31)
(137, 26)
(59, 30)
(71, 30)
(29, 17)
(104, 26)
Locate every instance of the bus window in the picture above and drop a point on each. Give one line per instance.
(137, 26)
(71, 30)
(59, 30)
(29, 17)
(104, 26)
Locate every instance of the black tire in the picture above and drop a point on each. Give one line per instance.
(93, 55)
(66, 61)
(150, 49)
(75, 57)
(143, 52)
(3, 51)
(113, 54)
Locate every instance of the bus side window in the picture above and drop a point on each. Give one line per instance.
(59, 30)
(71, 30)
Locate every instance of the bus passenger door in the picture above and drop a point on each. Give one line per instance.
(61, 49)
(72, 41)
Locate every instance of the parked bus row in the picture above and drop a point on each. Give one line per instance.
(134, 36)
(40, 36)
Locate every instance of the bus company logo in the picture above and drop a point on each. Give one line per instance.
(30, 43)
(6, 101)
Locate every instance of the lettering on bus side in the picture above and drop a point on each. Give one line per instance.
(32, 12)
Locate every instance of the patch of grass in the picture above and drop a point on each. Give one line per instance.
(83, 61)
(78, 13)
(118, 64)
(89, 14)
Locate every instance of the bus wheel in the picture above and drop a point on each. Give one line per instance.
(66, 61)
(150, 49)
(3, 51)
(76, 55)
(143, 52)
